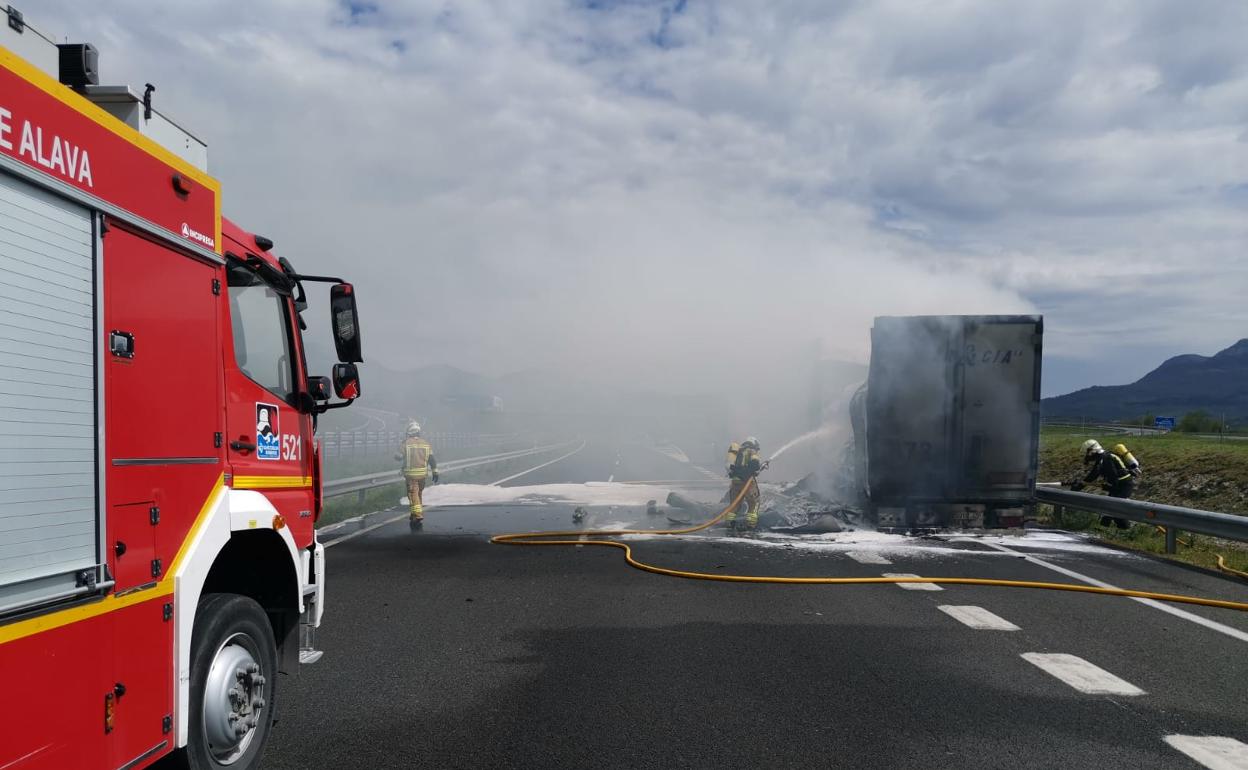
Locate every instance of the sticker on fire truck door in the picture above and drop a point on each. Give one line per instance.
(268, 433)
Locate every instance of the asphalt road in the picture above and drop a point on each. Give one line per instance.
(442, 650)
(602, 462)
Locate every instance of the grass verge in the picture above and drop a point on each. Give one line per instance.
(1198, 550)
(1192, 471)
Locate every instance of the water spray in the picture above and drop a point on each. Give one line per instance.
(821, 431)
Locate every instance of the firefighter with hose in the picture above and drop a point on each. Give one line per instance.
(418, 466)
(744, 465)
(1115, 475)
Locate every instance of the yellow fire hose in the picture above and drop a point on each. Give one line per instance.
(1222, 565)
(580, 537)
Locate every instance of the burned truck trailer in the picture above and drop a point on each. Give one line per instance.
(947, 428)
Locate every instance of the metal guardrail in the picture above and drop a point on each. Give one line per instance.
(379, 442)
(362, 484)
(1174, 518)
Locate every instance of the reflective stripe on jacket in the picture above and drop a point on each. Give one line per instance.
(416, 454)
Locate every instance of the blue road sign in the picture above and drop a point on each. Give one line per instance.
(1166, 423)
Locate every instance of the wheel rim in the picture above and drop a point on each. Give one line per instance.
(234, 698)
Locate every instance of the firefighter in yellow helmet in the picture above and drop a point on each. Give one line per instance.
(1113, 472)
(418, 466)
(744, 465)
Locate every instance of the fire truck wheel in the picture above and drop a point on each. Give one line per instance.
(233, 679)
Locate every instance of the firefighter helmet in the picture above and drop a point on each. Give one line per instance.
(751, 443)
(1092, 447)
(413, 428)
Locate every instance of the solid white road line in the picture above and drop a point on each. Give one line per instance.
(913, 586)
(1212, 625)
(867, 557)
(977, 617)
(1212, 752)
(539, 467)
(1080, 674)
(367, 529)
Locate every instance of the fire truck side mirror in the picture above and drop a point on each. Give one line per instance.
(346, 381)
(345, 321)
(320, 388)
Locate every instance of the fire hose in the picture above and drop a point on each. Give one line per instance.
(582, 537)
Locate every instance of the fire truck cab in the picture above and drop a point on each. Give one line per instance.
(159, 476)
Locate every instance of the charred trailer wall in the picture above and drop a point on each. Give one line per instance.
(952, 415)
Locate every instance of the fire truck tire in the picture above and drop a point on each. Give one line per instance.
(233, 684)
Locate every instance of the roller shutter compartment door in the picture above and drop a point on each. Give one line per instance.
(48, 505)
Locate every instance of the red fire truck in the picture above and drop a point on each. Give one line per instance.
(159, 478)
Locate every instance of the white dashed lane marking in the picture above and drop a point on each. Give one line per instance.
(867, 557)
(1212, 752)
(913, 586)
(977, 617)
(1199, 620)
(1080, 674)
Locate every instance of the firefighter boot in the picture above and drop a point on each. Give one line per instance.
(751, 522)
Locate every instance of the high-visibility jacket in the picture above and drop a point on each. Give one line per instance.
(417, 458)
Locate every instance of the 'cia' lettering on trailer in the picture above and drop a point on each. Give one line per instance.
(972, 356)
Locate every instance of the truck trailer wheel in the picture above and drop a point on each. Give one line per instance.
(233, 679)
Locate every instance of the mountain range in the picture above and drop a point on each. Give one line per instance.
(1216, 384)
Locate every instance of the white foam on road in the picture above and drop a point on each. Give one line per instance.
(977, 618)
(1213, 752)
(591, 493)
(867, 557)
(1043, 541)
(1080, 674)
(912, 586)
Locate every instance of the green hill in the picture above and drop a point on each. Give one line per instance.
(1217, 384)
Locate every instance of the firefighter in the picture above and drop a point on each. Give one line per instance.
(418, 465)
(1128, 459)
(743, 465)
(1113, 472)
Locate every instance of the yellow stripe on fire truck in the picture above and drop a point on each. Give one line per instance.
(272, 482)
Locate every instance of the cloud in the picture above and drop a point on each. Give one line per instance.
(696, 188)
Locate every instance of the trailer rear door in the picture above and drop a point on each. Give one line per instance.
(48, 486)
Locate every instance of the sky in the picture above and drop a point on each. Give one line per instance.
(699, 193)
